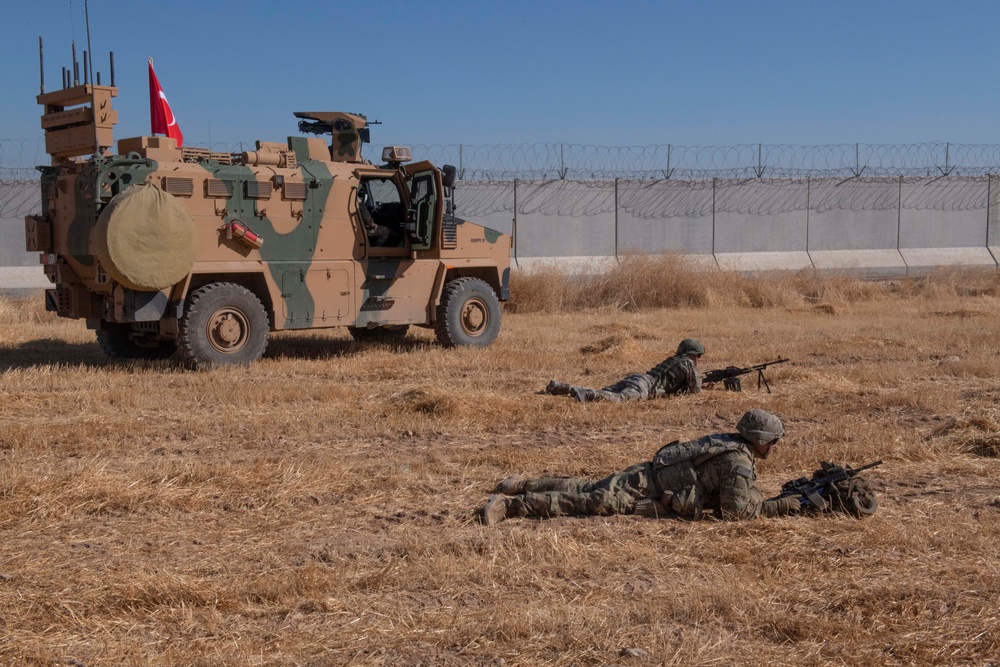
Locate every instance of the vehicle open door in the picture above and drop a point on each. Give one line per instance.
(426, 202)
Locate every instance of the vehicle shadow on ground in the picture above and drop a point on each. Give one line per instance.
(51, 352)
(318, 348)
(54, 352)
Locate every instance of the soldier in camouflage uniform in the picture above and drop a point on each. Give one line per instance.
(714, 472)
(675, 375)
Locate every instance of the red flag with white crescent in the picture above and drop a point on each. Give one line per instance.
(161, 118)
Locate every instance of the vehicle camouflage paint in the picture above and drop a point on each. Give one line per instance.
(163, 248)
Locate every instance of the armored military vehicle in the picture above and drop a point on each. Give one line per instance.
(166, 249)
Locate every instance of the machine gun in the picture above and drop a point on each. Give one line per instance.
(730, 375)
(821, 492)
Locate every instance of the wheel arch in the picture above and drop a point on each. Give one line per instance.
(255, 282)
(488, 274)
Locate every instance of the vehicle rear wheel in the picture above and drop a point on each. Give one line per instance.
(119, 342)
(223, 324)
(392, 333)
(469, 314)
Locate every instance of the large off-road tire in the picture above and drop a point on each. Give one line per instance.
(469, 314)
(387, 334)
(223, 324)
(119, 342)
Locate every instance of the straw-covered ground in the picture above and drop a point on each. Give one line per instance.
(318, 507)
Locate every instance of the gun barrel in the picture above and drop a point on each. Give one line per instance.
(854, 471)
(767, 363)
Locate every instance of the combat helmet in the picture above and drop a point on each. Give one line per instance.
(690, 346)
(760, 426)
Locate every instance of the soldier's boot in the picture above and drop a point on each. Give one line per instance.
(513, 485)
(496, 510)
(557, 388)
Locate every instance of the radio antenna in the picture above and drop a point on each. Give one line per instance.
(86, 14)
(41, 64)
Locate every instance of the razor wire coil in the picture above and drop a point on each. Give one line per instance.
(551, 161)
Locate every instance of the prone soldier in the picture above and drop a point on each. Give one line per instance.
(683, 479)
(675, 375)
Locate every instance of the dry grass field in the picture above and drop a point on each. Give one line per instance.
(319, 507)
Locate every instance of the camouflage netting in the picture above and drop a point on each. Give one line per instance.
(146, 239)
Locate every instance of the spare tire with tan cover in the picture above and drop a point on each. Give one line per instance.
(146, 239)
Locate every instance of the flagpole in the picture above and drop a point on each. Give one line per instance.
(151, 130)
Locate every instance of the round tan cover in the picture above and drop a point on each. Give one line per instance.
(146, 239)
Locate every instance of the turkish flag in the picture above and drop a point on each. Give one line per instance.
(161, 118)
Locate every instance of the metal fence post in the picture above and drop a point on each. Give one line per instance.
(616, 220)
(714, 181)
(899, 214)
(513, 225)
(989, 209)
(808, 193)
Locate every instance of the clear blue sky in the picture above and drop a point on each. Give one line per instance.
(601, 73)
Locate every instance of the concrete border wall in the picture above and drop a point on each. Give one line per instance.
(19, 269)
(869, 227)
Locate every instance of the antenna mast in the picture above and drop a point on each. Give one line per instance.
(86, 14)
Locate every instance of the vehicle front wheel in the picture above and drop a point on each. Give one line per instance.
(223, 324)
(469, 314)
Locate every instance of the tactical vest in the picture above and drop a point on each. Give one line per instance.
(674, 468)
(670, 375)
(698, 451)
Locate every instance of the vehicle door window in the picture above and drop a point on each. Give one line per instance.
(383, 212)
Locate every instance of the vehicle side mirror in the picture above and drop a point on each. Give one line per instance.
(449, 174)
